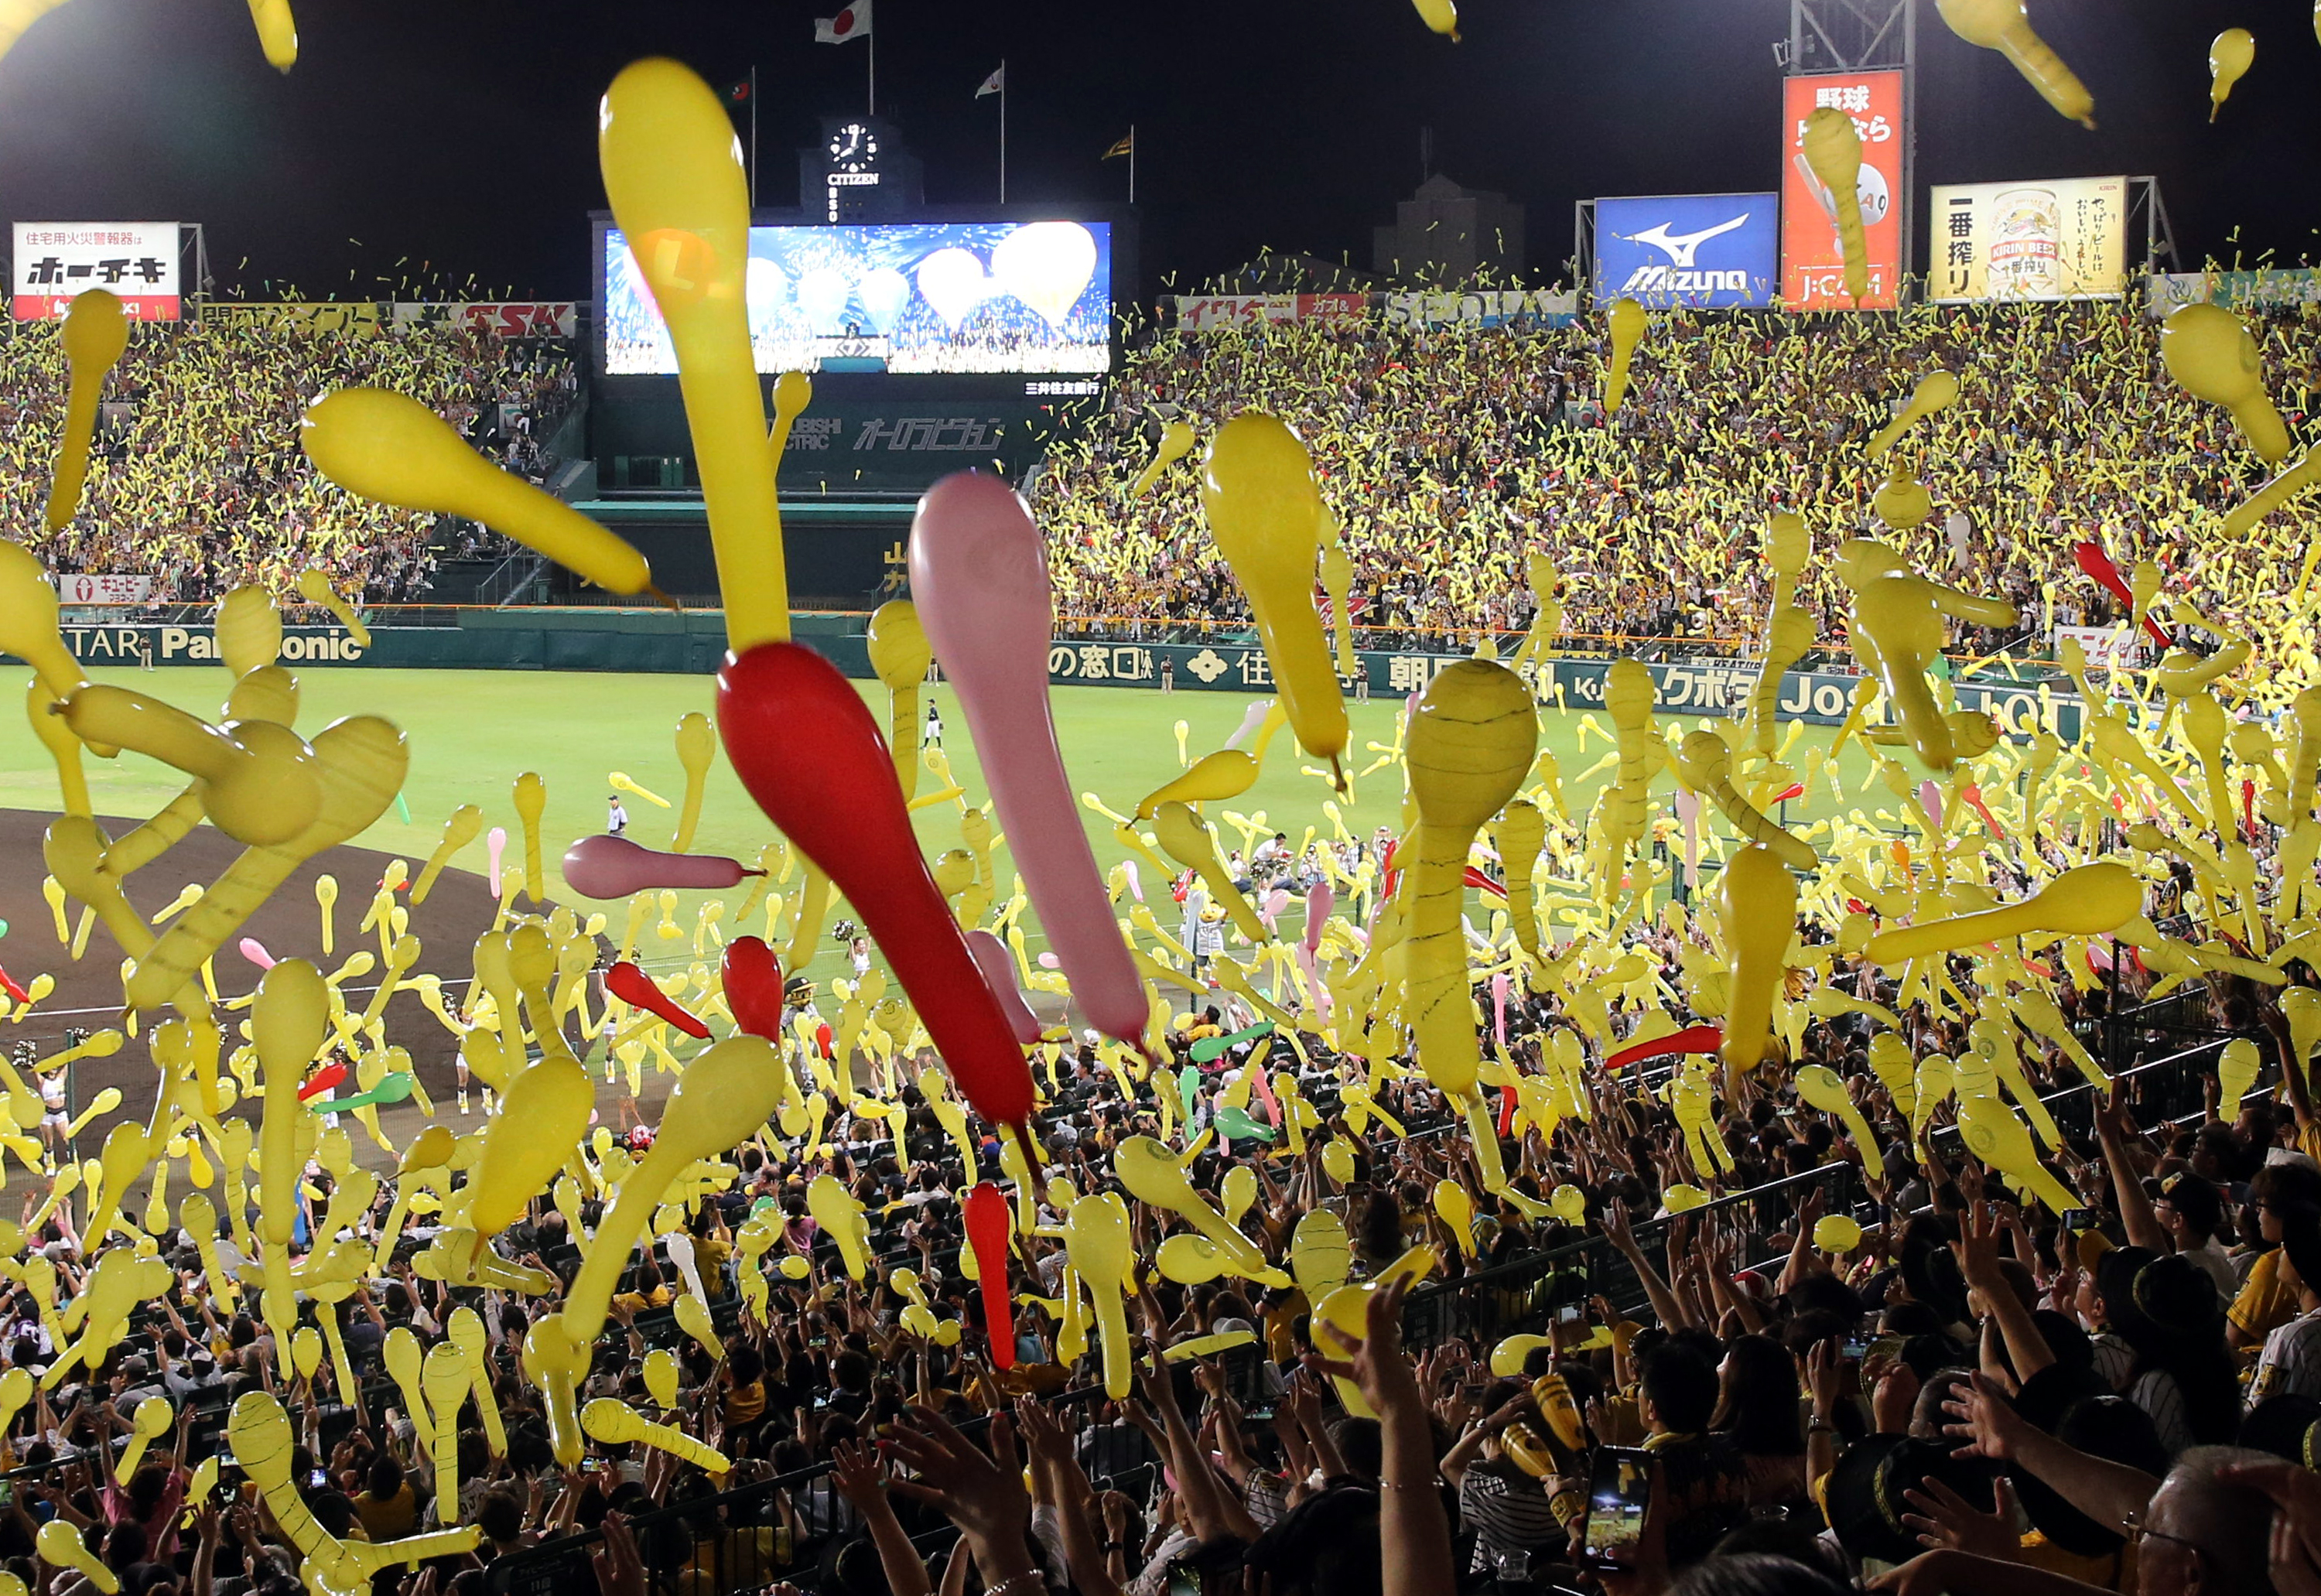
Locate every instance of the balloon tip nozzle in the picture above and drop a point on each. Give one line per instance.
(661, 599)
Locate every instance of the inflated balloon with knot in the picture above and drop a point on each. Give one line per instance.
(264, 1444)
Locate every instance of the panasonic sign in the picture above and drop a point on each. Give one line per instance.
(1717, 251)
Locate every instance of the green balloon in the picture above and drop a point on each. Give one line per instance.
(1235, 1125)
(1210, 1048)
(394, 1089)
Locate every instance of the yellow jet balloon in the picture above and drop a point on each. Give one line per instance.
(1758, 906)
(1627, 325)
(1265, 513)
(1442, 17)
(393, 450)
(2230, 56)
(900, 655)
(95, 335)
(1176, 442)
(1472, 739)
(277, 34)
(1937, 391)
(2001, 25)
(1833, 149)
(2088, 900)
(673, 173)
(2212, 355)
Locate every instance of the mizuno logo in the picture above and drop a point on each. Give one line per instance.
(1681, 248)
(1664, 279)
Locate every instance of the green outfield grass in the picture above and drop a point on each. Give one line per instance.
(473, 732)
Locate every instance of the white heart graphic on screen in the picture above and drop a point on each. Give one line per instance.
(822, 294)
(1046, 265)
(953, 281)
(883, 292)
(765, 286)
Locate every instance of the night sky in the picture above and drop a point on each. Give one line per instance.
(461, 132)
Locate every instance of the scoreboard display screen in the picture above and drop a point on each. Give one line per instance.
(988, 297)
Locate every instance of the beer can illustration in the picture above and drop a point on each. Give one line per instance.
(2027, 245)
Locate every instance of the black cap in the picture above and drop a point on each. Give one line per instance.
(1864, 1496)
(1931, 1270)
(2089, 1416)
(2285, 1427)
(2194, 1199)
(2161, 1304)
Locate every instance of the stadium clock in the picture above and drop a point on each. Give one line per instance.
(861, 170)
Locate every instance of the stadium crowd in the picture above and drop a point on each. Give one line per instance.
(198, 480)
(1449, 454)
(1976, 1395)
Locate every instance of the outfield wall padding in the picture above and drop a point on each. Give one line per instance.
(693, 643)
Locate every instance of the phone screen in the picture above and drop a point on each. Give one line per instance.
(2080, 1219)
(1617, 1499)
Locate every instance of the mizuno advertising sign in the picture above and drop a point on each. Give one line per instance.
(1714, 252)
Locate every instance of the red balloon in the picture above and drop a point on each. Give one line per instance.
(1483, 883)
(2098, 564)
(987, 1224)
(17, 994)
(752, 979)
(806, 745)
(1691, 1039)
(321, 1081)
(1972, 794)
(634, 987)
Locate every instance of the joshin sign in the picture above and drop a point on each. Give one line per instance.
(1813, 262)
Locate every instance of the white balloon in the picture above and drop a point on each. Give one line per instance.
(822, 295)
(1047, 265)
(952, 282)
(884, 291)
(765, 285)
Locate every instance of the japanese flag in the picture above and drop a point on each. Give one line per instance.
(853, 22)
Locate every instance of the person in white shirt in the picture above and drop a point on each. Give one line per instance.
(2290, 1363)
(617, 820)
(2192, 1209)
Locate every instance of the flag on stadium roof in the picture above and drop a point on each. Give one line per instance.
(994, 84)
(1125, 145)
(852, 22)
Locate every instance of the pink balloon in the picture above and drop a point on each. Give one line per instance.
(1930, 799)
(608, 866)
(1499, 1005)
(1050, 962)
(497, 838)
(999, 975)
(1264, 1089)
(1250, 721)
(980, 582)
(1275, 902)
(1320, 993)
(1688, 810)
(1319, 901)
(255, 951)
(1135, 881)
